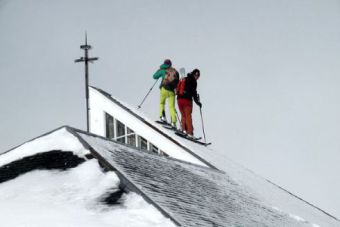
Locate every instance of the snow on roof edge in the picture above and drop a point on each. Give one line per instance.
(44, 143)
(45, 134)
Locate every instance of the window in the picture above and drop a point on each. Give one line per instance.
(131, 137)
(153, 148)
(109, 126)
(116, 130)
(142, 143)
(163, 153)
(120, 132)
(120, 129)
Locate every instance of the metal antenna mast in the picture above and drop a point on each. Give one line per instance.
(86, 59)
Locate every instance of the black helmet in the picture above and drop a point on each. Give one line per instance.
(196, 72)
(167, 62)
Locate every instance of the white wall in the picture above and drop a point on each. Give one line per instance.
(99, 104)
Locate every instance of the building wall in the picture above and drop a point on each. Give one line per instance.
(100, 104)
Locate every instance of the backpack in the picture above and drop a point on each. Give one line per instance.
(170, 76)
(180, 89)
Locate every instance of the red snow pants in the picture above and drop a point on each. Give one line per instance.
(185, 106)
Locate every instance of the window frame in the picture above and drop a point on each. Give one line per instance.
(128, 132)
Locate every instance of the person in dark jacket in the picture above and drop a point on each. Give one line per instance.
(184, 101)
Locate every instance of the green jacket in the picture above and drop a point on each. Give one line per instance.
(160, 72)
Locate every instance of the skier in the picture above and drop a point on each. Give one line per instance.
(186, 91)
(170, 78)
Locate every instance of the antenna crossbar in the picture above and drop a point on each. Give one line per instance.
(86, 60)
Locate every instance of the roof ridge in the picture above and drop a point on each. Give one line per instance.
(30, 140)
(135, 149)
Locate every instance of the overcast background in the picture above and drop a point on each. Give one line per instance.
(269, 85)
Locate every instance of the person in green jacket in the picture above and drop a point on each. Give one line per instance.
(170, 78)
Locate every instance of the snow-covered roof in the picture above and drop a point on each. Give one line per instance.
(191, 195)
(54, 181)
(272, 194)
(188, 194)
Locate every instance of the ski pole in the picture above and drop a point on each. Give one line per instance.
(140, 105)
(205, 140)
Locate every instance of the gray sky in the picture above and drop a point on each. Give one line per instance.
(269, 85)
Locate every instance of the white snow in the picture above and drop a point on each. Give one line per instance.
(72, 198)
(58, 140)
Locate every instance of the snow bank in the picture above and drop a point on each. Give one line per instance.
(72, 198)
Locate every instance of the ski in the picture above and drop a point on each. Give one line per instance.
(165, 124)
(182, 72)
(168, 126)
(181, 134)
(195, 140)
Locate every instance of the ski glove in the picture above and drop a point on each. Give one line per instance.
(199, 104)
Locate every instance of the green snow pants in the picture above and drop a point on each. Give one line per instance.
(166, 94)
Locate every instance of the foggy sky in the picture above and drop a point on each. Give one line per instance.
(269, 83)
